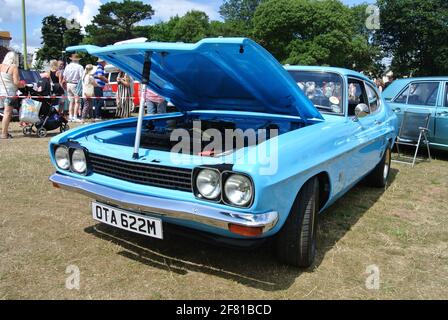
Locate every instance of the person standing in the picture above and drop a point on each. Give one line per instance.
(72, 75)
(390, 79)
(101, 80)
(9, 83)
(124, 95)
(155, 104)
(88, 90)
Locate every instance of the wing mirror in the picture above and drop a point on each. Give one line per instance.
(361, 110)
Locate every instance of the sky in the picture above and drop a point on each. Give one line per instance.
(84, 10)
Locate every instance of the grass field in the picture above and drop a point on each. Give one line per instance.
(402, 230)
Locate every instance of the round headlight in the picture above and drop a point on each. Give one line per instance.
(208, 183)
(238, 189)
(62, 158)
(79, 163)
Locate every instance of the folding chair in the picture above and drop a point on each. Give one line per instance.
(413, 132)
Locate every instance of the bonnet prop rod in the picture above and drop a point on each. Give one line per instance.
(145, 80)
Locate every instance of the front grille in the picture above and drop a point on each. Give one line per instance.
(146, 174)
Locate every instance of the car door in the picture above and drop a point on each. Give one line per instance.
(441, 118)
(367, 129)
(419, 97)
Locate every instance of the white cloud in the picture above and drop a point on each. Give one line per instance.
(11, 9)
(166, 9)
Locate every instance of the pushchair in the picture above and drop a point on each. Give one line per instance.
(49, 118)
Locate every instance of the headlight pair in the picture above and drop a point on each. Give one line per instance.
(73, 158)
(232, 188)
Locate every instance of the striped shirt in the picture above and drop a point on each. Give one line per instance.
(99, 72)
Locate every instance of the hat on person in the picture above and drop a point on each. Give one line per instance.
(100, 60)
(75, 57)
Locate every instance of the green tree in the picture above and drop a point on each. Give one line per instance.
(311, 32)
(57, 34)
(192, 27)
(240, 12)
(415, 34)
(116, 21)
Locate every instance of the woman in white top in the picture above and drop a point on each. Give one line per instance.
(9, 82)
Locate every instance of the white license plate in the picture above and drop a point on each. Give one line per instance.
(126, 220)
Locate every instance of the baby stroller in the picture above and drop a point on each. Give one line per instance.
(49, 118)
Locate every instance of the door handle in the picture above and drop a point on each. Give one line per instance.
(442, 114)
(396, 110)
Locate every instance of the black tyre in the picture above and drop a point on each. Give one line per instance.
(64, 127)
(379, 176)
(27, 131)
(296, 242)
(41, 133)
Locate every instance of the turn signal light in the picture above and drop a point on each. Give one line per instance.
(245, 231)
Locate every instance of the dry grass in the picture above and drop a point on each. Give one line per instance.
(403, 230)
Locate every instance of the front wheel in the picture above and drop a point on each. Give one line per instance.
(379, 176)
(296, 242)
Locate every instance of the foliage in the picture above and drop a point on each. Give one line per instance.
(307, 32)
(415, 33)
(57, 34)
(38, 65)
(116, 21)
(313, 33)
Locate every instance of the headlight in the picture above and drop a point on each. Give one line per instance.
(79, 163)
(238, 190)
(62, 158)
(208, 183)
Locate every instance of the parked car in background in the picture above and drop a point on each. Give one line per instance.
(423, 95)
(272, 187)
(112, 74)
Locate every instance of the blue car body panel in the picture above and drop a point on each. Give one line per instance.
(213, 74)
(335, 147)
(437, 106)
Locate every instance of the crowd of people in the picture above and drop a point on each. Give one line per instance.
(81, 90)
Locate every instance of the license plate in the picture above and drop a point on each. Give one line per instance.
(126, 220)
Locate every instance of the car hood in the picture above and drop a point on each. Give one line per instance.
(212, 74)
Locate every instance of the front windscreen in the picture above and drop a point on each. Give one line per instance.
(324, 89)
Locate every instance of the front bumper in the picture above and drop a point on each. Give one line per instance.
(210, 216)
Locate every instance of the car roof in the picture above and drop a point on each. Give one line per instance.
(439, 78)
(342, 71)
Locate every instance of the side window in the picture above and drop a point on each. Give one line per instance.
(113, 77)
(374, 99)
(446, 95)
(356, 95)
(423, 93)
(403, 97)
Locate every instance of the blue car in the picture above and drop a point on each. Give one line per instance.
(295, 141)
(423, 95)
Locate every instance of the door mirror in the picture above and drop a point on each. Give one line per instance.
(361, 110)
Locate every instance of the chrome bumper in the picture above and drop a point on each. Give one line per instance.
(176, 209)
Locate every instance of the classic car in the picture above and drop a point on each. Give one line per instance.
(423, 95)
(139, 181)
